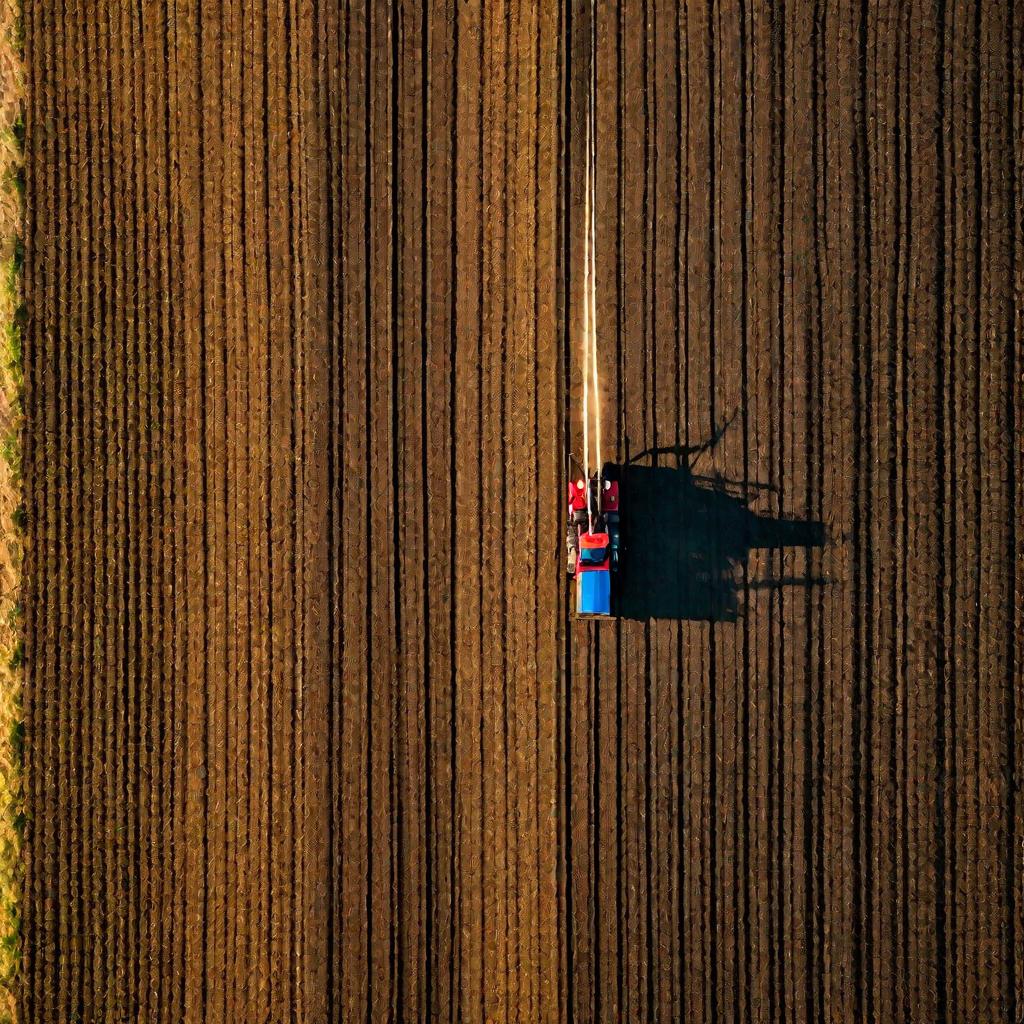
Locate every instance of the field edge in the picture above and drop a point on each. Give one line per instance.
(11, 507)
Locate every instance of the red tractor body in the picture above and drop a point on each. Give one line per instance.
(593, 542)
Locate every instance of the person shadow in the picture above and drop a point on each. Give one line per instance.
(686, 540)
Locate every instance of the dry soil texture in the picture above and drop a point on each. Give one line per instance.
(311, 733)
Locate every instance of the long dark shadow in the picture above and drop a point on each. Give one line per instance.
(687, 539)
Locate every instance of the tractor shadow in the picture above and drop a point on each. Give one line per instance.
(686, 541)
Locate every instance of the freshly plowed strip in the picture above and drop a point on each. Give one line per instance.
(834, 787)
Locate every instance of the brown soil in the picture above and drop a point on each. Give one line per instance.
(311, 732)
(11, 714)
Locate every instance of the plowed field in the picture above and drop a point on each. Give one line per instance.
(311, 732)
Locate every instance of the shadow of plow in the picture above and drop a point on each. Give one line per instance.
(686, 542)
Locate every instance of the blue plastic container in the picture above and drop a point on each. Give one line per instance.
(594, 593)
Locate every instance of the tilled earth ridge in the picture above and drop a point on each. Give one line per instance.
(311, 733)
